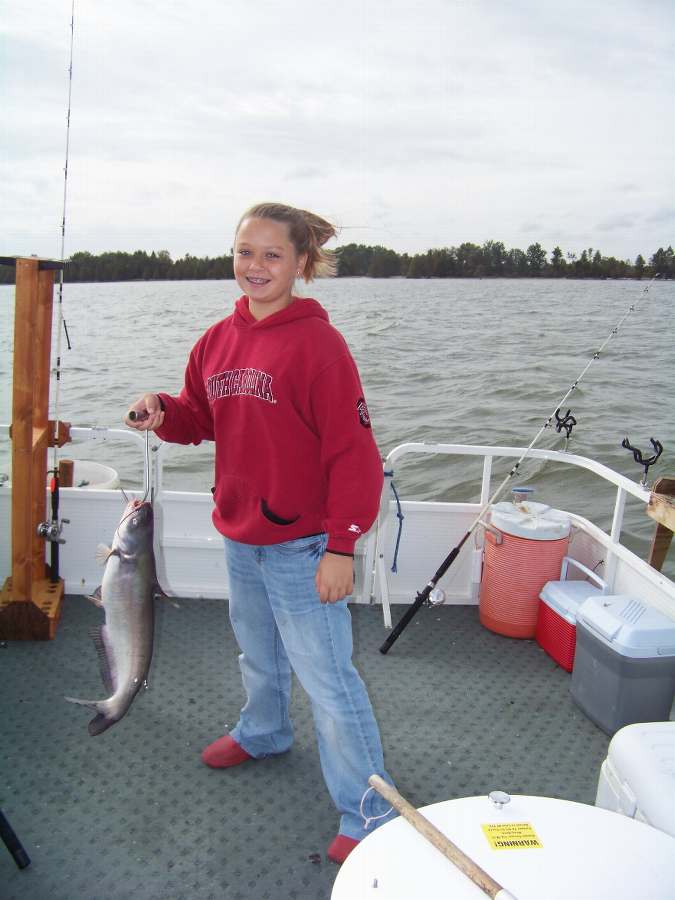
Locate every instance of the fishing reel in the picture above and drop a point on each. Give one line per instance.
(437, 597)
(51, 531)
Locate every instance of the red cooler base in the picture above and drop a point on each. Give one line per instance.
(556, 636)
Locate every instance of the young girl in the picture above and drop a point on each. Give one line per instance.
(298, 479)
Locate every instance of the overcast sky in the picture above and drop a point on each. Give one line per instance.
(411, 124)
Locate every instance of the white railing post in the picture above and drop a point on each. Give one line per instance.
(487, 476)
(368, 562)
(615, 535)
(158, 469)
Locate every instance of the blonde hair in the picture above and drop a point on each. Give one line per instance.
(308, 234)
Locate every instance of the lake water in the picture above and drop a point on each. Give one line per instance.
(457, 361)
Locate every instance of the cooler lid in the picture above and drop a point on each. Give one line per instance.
(535, 521)
(565, 597)
(628, 626)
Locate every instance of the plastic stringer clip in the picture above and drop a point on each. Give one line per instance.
(639, 459)
(565, 423)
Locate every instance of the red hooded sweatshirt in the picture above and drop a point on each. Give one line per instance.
(282, 399)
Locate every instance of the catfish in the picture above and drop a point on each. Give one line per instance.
(127, 592)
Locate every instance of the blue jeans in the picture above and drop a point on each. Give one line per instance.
(280, 624)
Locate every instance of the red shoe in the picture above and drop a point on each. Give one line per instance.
(340, 849)
(223, 753)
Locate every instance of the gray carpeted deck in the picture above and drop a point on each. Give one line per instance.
(134, 813)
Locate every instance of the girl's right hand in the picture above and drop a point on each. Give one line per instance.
(148, 414)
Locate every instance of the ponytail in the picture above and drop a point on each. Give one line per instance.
(308, 233)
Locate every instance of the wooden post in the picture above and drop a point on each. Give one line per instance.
(66, 468)
(30, 605)
(664, 514)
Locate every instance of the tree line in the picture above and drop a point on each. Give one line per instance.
(489, 260)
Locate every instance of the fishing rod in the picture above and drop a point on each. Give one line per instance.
(51, 531)
(423, 597)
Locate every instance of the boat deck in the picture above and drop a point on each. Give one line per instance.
(134, 813)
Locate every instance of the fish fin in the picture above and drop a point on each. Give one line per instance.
(98, 637)
(103, 553)
(159, 592)
(99, 724)
(96, 597)
(164, 596)
(90, 704)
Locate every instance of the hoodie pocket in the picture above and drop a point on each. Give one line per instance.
(273, 517)
(234, 499)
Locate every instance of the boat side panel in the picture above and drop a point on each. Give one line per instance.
(430, 531)
(188, 549)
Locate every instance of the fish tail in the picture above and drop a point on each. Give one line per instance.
(101, 721)
(99, 724)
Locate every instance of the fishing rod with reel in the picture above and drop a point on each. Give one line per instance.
(51, 530)
(431, 595)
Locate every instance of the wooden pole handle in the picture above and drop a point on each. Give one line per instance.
(463, 862)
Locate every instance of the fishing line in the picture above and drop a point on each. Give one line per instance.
(423, 596)
(61, 323)
(146, 471)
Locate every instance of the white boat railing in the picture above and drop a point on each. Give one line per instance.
(185, 528)
(614, 551)
(490, 452)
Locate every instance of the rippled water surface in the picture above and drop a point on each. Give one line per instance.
(459, 361)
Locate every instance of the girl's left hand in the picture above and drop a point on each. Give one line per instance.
(335, 577)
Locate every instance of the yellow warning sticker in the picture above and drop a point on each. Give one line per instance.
(512, 836)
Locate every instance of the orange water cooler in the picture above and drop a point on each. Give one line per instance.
(524, 548)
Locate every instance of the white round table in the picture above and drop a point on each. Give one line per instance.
(586, 853)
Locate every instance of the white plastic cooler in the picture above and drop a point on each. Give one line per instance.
(638, 777)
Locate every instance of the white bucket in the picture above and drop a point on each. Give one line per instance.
(94, 476)
(91, 476)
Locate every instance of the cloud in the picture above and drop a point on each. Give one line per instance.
(472, 120)
(532, 228)
(667, 214)
(303, 172)
(620, 222)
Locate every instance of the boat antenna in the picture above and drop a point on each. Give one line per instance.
(422, 597)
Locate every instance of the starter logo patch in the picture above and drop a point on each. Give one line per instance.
(362, 409)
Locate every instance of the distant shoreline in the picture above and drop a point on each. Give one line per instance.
(491, 260)
(385, 278)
